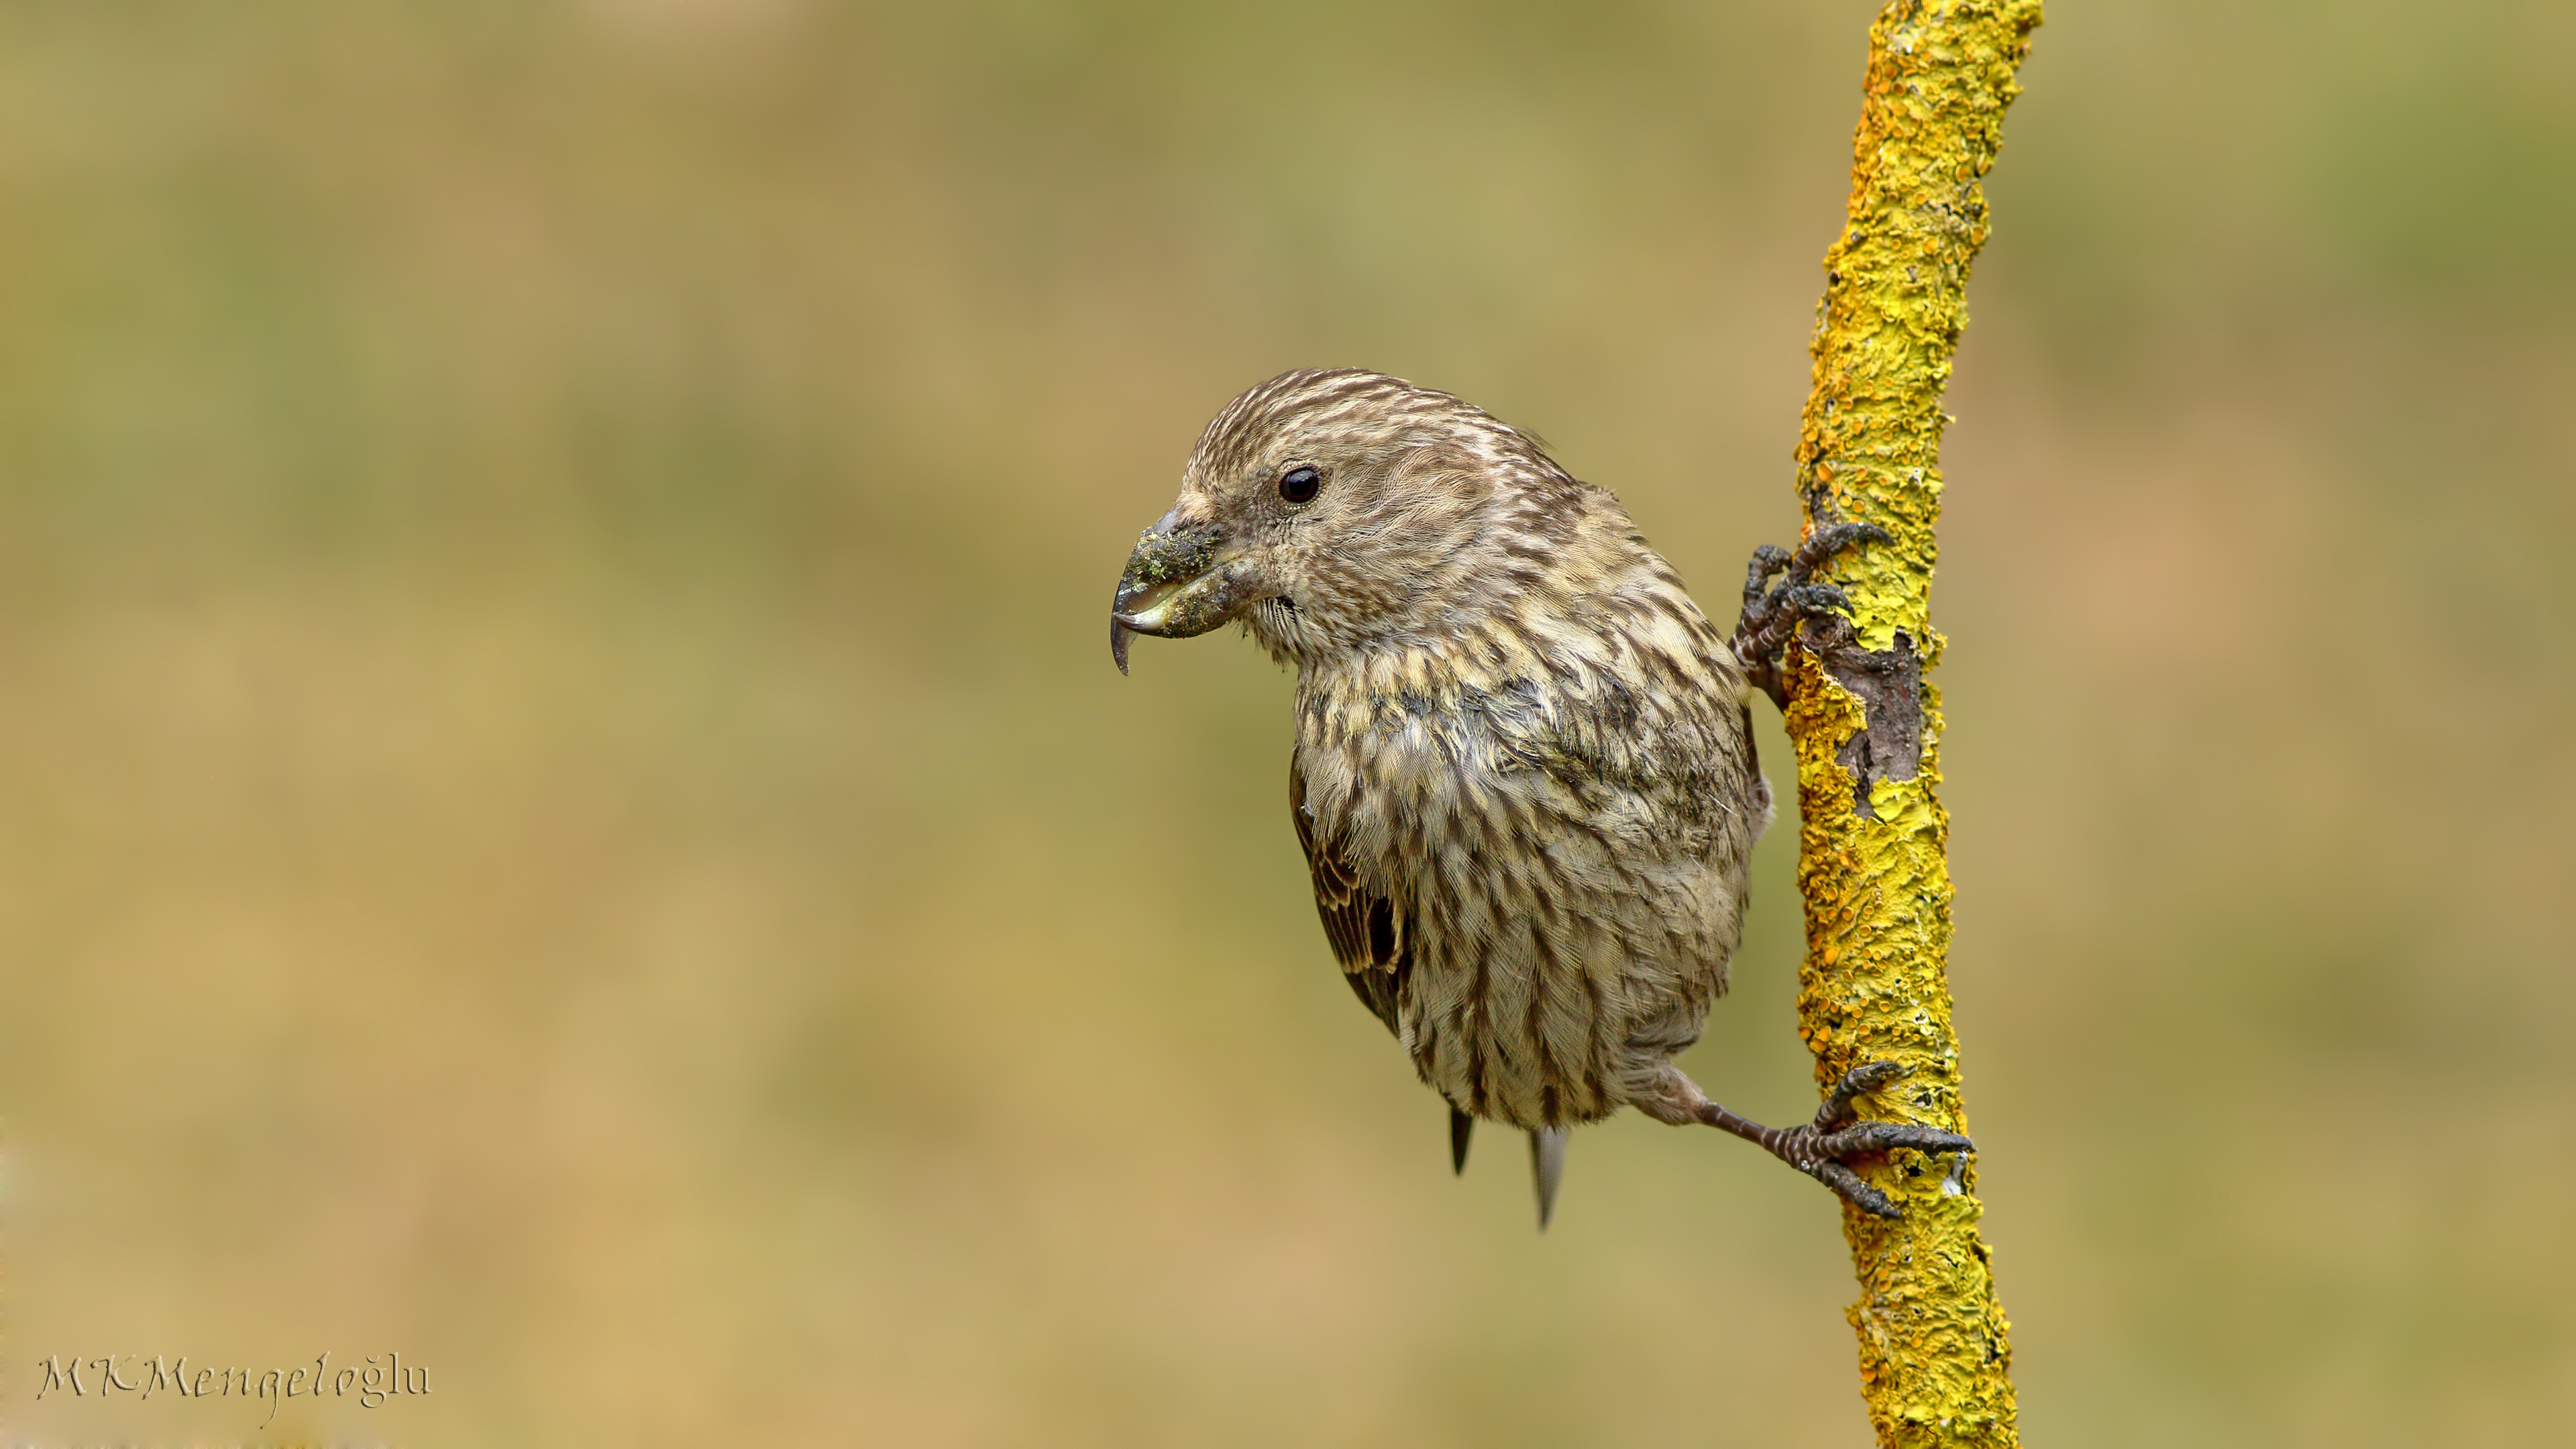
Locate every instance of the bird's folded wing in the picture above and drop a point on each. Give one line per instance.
(1369, 933)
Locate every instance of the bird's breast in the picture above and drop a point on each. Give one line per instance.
(1552, 920)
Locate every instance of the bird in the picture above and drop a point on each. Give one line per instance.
(1523, 771)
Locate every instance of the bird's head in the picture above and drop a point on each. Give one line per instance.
(1329, 510)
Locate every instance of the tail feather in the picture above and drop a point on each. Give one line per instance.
(1461, 1127)
(1547, 1168)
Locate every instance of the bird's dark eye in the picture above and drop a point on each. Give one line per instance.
(1298, 485)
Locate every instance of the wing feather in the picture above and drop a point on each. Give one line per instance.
(1370, 933)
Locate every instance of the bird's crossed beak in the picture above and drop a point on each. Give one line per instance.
(1183, 579)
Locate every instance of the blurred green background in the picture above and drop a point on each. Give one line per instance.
(566, 812)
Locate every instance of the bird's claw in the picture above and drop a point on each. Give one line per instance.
(1838, 1110)
(1772, 616)
(1822, 1148)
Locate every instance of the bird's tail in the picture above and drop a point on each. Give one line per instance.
(1547, 1168)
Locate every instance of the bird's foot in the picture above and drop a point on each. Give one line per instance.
(1823, 1149)
(1772, 615)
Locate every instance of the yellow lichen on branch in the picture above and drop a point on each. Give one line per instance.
(1873, 838)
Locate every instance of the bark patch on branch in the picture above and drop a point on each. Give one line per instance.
(1889, 685)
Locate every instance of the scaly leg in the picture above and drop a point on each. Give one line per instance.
(1823, 1148)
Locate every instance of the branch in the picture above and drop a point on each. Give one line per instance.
(1872, 841)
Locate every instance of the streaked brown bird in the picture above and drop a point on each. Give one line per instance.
(1523, 773)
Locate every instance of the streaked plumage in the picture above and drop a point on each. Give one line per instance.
(1523, 772)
